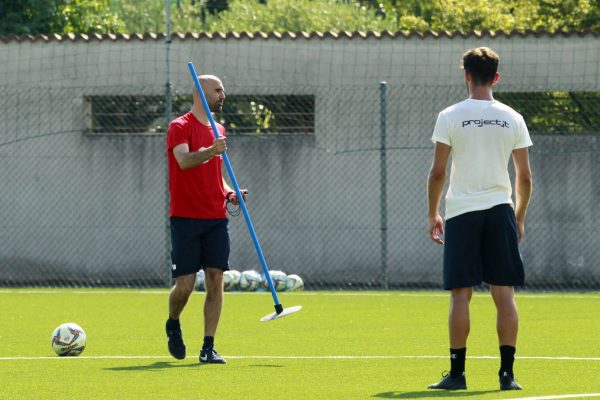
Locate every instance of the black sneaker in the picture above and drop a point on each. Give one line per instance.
(508, 382)
(210, 356)
(176, 345)
(450, 382)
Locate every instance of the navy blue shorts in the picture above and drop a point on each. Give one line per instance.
(197, 244)
(482, 246)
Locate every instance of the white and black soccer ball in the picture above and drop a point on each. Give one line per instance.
(68, 340)
(279, 279)
(231, 279)
(294, 283)
(249, 280)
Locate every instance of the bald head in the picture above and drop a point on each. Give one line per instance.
(209, 80)
(213, 91)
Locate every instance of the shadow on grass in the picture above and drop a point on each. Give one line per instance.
(156, 366)
(160, 365)
(431, 394)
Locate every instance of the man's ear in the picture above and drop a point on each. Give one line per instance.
(496, 78)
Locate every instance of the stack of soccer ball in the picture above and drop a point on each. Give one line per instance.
(250, 281)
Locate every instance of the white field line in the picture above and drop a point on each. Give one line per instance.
(163, 292)
(18, 358)
(562, 396)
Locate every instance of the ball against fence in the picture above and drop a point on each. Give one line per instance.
(249, 280)
(294, 283)
(231, 279)
(279, 279)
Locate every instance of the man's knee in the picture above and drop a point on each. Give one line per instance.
(503, 295)
(462, 294)
(213, 279)
(185, 284)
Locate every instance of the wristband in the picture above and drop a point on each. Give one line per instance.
(228, 195)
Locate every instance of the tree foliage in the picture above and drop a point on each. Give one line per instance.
(88, 16)
(31, 17)
(555, 112)
(418, 15)
(296, 16)
(451, 15)
(27, 17)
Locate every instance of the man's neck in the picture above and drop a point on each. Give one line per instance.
(481, 93)
(200, 115)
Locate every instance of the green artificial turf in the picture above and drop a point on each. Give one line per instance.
(341, 345)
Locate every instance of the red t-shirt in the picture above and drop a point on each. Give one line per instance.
(196, 192)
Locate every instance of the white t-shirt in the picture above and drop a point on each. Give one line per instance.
(482, 135)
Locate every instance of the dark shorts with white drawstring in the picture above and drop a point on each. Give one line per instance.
(197, 244)
(482, 246)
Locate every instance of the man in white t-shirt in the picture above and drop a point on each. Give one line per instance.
(483, 227)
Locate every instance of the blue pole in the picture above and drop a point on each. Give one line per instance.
(278, 306)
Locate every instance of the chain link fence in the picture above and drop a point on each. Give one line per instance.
(337, 179)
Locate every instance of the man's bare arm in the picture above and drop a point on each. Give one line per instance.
(523, 186)
(187, 159)
(435, 187)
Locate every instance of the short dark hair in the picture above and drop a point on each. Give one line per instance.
(482, 63)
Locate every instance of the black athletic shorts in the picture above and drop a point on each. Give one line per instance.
(482, 246)
(197, 244)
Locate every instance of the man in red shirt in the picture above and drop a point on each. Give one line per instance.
(199, 233)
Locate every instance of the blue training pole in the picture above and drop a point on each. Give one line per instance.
(278, 306)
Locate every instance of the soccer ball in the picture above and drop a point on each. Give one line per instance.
(231, 279)
(279, 279)
(294, 283)
(68, 340)
(250, 280)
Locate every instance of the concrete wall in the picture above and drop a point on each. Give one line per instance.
(548, 61)
(92, 209)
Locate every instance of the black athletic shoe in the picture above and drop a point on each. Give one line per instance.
(176, 345)
(508, 382)
(450, 383)
(210, 356)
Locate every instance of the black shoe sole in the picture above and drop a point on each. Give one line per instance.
(511, 387)
(450, 383)
(179, 356)
(447, 388)
(213, 362)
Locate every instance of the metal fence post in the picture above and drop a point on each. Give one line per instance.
(383, 184)
(168, 112)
